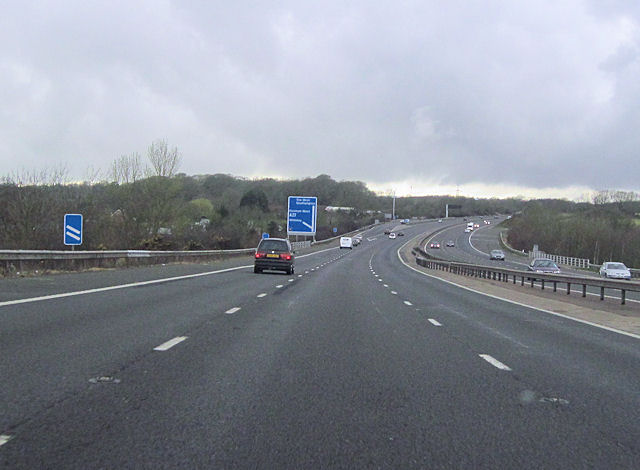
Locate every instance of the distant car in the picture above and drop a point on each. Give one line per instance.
(476, 225)
(346, 242)
(434, 245)
(387, 232)
(439, 221)
(451, 243)
(496, 254)
(274, 254)
(615, 270)
(400, 234)
(392, 235)
(543, 265)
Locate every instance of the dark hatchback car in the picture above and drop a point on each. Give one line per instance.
(275, 254)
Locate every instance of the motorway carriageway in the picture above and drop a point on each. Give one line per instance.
(355, 361)
(474, 248)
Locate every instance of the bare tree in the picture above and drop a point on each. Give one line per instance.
(164, 161)
(93, 175)
(55, 175)
(127, 168)
(607, 196)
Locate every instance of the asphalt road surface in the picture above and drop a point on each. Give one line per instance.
(356, 361)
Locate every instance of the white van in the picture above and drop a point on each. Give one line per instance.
(470, 227)
(346, 242)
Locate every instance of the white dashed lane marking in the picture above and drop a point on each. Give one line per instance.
(385, 285)
(4, 438)
(232, 310)
(394, 292)
(261, 295)
(434, 322)
(494, 362)
(406, 302)
(279, 286)
(171, 343)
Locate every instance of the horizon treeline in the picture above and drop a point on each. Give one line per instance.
(201, 212)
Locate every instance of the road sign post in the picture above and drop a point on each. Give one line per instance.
(302, 215)
(73, 229)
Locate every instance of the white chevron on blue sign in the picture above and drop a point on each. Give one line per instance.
(73, 229)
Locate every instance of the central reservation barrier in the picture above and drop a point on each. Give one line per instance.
(518, 276)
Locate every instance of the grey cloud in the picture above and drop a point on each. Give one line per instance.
(521, 94)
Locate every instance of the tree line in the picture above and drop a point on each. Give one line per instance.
(198, 212)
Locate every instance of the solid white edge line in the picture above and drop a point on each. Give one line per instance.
(586, 322)
(232, 310)
(471, 244)
(171, 343)
(134, 284)
(494, 362)
(121, 286)
(434, 322)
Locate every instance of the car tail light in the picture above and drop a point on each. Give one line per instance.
(260, 254)
(285, 256)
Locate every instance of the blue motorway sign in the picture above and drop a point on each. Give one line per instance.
(302, 215)
(73, 229)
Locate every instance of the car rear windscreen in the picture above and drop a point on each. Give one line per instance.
(273, 245)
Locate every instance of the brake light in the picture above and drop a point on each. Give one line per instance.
(285, 256)
(260, 254)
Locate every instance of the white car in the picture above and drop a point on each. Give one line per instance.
(615, 270)
(346, 242)
(392, 235)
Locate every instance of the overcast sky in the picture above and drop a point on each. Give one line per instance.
(498, 97)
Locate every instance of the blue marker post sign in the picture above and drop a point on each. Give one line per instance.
(73, 229)
(302, 215)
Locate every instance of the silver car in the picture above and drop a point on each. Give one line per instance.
(497, 254)
(615, 271)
